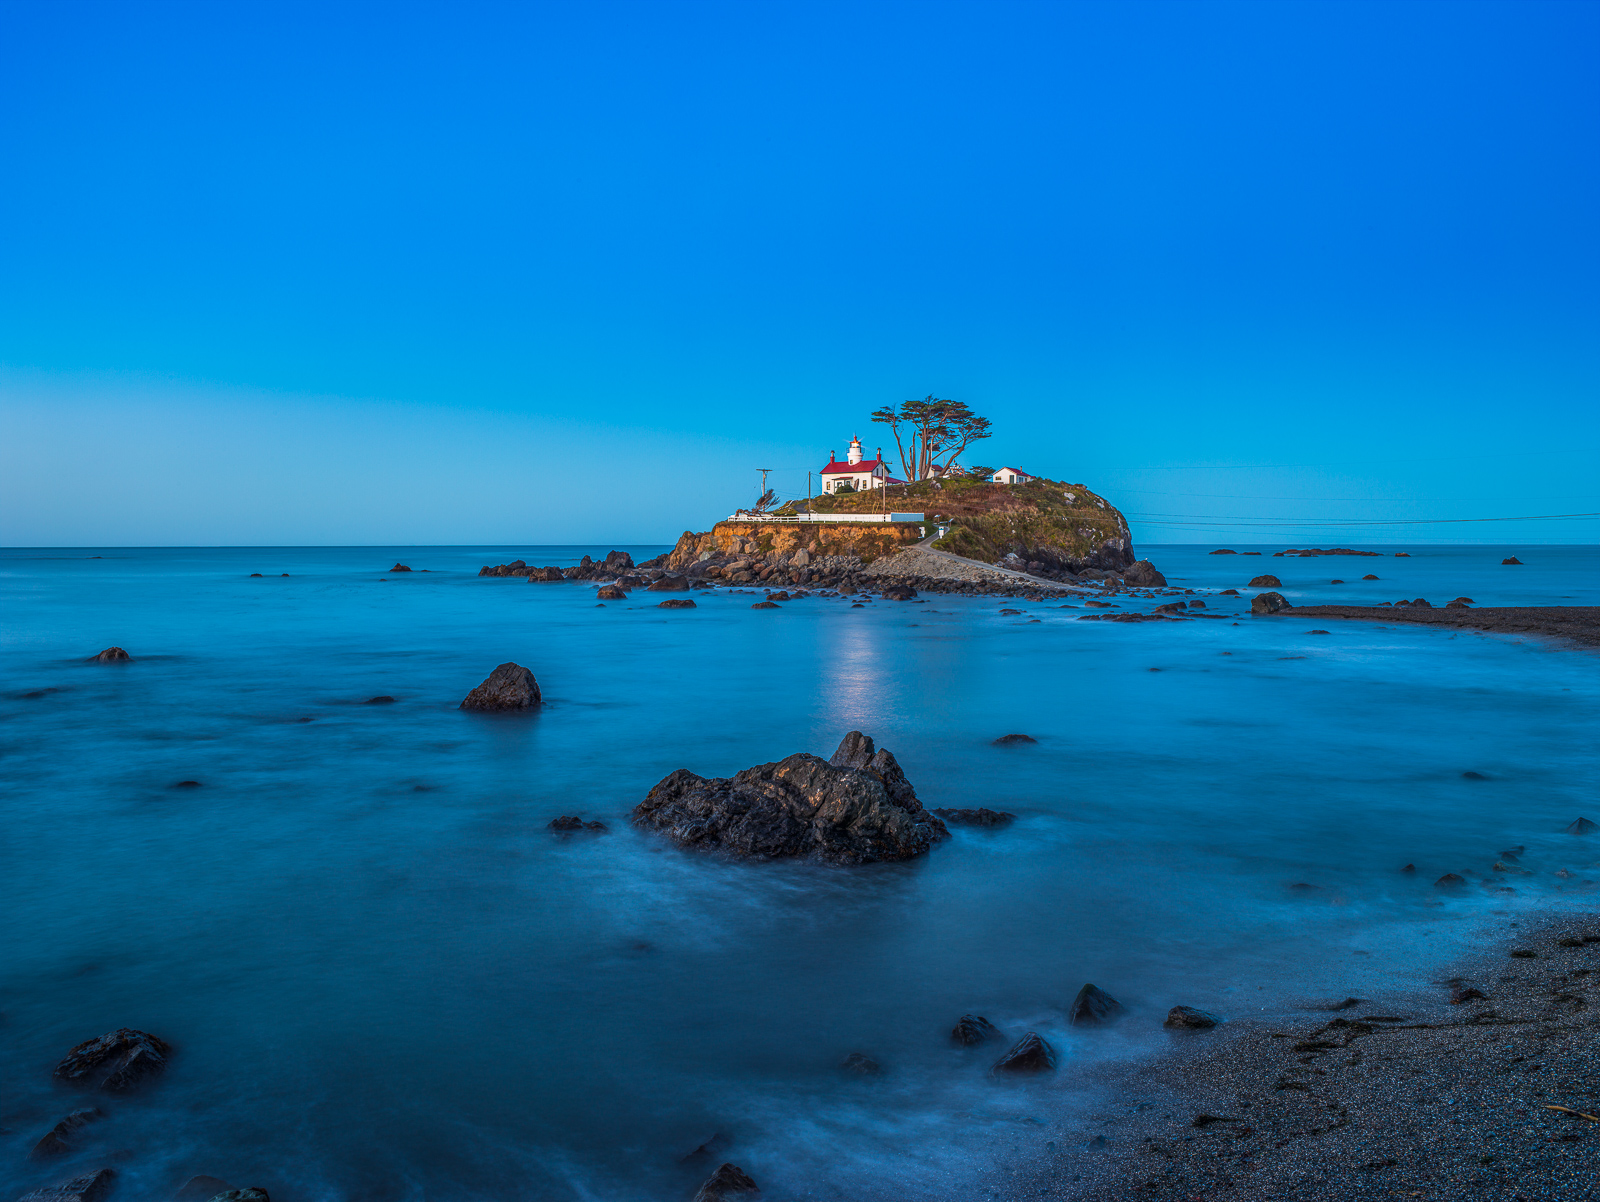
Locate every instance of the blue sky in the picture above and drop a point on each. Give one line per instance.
(459, 273)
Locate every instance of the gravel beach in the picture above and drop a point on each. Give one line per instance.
(1580, 623)
(1451, 1091)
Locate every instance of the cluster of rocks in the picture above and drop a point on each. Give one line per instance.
(855, 808)
(116, 1063)
(614, 565)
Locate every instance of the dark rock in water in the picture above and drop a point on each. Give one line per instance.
(1369, 576)
(187, 784)
(778, 596)
(973, 1029)
(1143, 573)
(1013, 740)
(1267, 581)
(1224, 551)
(1460, 995)
(855, 809)
(115, 1062)
(1451, 878)
(399, 567)
(1335, 582)
(982, 816)
(1198, 605)
(1421, 603)
(766, 605)
(255, 576)
(1005, 613)
(1093, 1007)
(1030, 1054)
(899, 592)
(617, 561)
(1471, 775)
(1170, 607)
(201, 1189)
(250, 1193)
(1319, 632)
(714, 1146)
(1268, 603)
(90, 1187)
(678, 603)
(1409, 868)
(1187, 1018)
(670, 584)
(571, 822)
(727, 1182)
(57, 1141)
(1229, 592)
(858, 1062)
(381, 699)
(1512, 559)
(111, 655)
(509, 687)
(1581, 827)
(611, 592)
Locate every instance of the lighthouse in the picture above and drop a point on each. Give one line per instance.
(854, 454)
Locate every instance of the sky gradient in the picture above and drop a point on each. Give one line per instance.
(548, 273)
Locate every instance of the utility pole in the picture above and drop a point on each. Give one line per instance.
(763, 471)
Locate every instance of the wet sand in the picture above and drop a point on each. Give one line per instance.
(1406, 1093)
(1579, 623)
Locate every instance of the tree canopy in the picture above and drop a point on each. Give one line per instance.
(936, 432)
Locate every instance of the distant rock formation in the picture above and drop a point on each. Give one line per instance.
(1144, 574)
(509, 687)
(856, 808)
(727, 1182)
(111, 655)
(1266, 581)
(1268, 603)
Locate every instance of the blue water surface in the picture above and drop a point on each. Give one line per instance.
(386, 979)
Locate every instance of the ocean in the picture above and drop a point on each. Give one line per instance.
(385, 978)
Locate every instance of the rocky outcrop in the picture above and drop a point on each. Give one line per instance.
(1030, 1054)
(399, 567)
(116, 1062)
(670, 584)
(728, 1182)
(1511, 560)
(509, 687)
(571, 822)
(1093, 1007)
(1266, 581)
(1013, 740)
(1268, 603)
(1143, 574)
(87, 1187)
(111, 655)
(610, 592)
(856, 808)
(677, 603)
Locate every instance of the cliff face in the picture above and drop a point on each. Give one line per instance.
(866, 541)
(1063, 526)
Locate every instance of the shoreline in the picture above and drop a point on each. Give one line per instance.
(1445, 1088)
(1579, 623)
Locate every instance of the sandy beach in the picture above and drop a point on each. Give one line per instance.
(1478, 1084)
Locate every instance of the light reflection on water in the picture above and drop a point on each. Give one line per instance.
(386, 980)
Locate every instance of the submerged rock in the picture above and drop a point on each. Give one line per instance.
(201, 1189)
(1013, 740)
(1030, 1054)
(678, 603)
(89, 1187)
(854, 809)
(862, 1064)
(973, 1029)
(1265, 581)
(1268, 603)
(982, 816)
(111, 655)
(1582, 827)
(250, 1193)
(1143, 573)
(611, 592)
(1187, 1018)
(1093, 1007)
(56, 1141)
(726, 1182)
(1449, 879)
(571, 822)
(766, 605)
(399, 567)
(115, 1062)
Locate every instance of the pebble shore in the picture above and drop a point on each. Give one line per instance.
(1403, 1094)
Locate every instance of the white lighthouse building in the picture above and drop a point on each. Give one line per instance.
(856, 472)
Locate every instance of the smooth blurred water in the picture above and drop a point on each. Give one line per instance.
(386, 980)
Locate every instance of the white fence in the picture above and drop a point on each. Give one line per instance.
(746, 516)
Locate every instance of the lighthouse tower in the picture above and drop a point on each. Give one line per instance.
(854, 455)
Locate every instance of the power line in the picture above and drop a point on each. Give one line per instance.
(1179, 519)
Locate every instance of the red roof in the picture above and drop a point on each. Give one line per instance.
(866, 465)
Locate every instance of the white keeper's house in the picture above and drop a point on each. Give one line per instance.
(855, 472)
(1011, 475)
